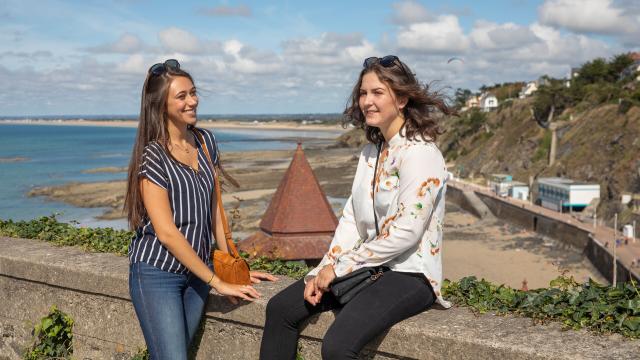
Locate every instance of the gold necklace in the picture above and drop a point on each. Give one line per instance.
(183, 148)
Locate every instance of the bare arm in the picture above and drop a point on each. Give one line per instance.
(156, 202)
(218, 231)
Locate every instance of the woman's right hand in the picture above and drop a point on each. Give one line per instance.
(246, 292)
(312, 294)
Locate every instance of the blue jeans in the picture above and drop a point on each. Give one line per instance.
(169, 307)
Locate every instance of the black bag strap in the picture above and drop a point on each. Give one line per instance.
(373, 186)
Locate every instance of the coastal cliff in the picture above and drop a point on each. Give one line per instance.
(600, 145)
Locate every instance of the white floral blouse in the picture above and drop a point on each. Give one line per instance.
(411, 174)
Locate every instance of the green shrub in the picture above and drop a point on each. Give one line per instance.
(53, 337)
(543, 148)
(48, 228)
(292, 269)
(605, 309)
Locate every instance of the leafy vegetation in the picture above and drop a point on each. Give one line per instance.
(53, 337)
(472, 121)
(543, 148)
(504, 91)
(605, 309)
(48, 228)
(142, 354)
(595, 82)
(292, 269)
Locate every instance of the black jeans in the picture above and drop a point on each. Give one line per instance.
(393, 298)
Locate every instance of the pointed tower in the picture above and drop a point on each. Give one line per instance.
(299, 222)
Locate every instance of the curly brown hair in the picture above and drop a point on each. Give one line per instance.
(423, 109)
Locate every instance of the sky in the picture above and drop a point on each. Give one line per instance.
(279, 57)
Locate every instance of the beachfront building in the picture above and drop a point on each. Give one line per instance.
(488, 102)
(299, 223)
(500, 184)
(528, 89)
(631, 70)
(519, 190)
(562, 194)
(472, 102)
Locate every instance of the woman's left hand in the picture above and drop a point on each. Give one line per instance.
(325, 277)
(259, 276)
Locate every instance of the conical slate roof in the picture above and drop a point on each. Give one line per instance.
(299, 222)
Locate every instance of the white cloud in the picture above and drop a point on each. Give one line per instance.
(232, 47)
(490, 36)
(330, 49)
(240, 10)
(175, 39)
(443, 35)
(588, 16)
(408, 12)
(571, 49)
(126, 44)
(134, 64)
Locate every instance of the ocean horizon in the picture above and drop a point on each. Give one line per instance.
(47, 155)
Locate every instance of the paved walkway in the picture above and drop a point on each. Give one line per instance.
(602, 234)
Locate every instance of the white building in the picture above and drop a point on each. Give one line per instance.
(562, 195)
(519, 190)
(500, 184)
(528, 89)
(488, 102)
(631, 70)
(472, 102)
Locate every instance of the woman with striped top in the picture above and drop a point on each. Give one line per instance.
(169, 205)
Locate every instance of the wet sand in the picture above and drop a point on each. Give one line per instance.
(505, 254)
(12, 159)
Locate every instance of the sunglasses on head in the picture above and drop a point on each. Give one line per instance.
(387, 61)
(160, 68)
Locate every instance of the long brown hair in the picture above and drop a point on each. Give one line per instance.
(421, 112)
(152, 126)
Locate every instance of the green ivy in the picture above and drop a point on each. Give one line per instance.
(605, 309)
(142, 354)
(53, 337)
(292, 269)
(48, 228)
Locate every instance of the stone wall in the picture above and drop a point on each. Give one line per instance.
(92, 289)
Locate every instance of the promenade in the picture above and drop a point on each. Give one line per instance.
(601, 234)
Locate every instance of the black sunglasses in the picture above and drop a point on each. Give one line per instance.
(160, 68)
(387, 61)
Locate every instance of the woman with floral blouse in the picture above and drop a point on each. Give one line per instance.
(401, 175)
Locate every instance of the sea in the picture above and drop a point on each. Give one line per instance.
(43, 155)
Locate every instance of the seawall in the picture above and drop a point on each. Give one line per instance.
(567, 233)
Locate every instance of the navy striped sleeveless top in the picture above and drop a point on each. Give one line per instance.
(190, 199)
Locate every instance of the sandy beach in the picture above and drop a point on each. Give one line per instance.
(206, 123)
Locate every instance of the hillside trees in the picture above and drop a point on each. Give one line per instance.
(597, 82)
